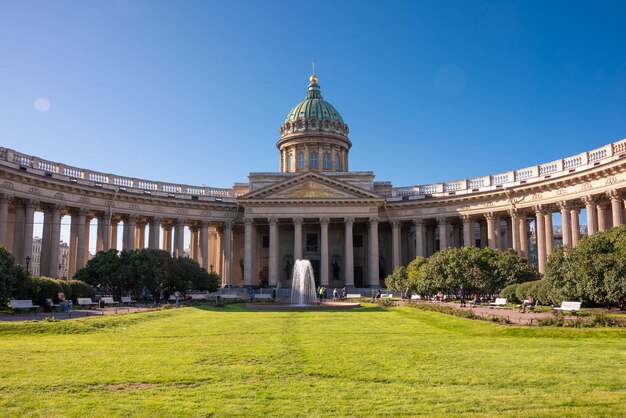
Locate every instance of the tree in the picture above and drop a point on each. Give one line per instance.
(15, 281)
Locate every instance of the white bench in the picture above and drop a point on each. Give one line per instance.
(416, 297)
(198, 296)
(108, 300)
(231, 296)
(387, 295)
(127, 300)
(499, 303)
(353, 296)
(262, 296)
(86, 302)
(568, 306)
(17, 304)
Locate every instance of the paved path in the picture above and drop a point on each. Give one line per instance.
(77, 313)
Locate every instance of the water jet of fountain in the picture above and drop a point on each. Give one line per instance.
(303, 284)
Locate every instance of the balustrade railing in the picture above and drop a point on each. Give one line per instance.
(564, 166)
(100, 179)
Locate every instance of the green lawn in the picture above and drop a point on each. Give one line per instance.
(367, 362)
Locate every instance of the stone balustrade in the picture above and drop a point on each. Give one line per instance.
(92, 178)
(528, 175)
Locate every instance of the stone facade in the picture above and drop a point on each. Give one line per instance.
(354, 230)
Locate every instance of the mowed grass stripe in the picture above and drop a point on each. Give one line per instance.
(367, 362)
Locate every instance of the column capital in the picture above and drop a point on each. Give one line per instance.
(348, 221)
(615, 195)
(205, 224)
(228, 225)
(248, 221)
(373, 220)
(298, 221)
(467, 218)
(590, 200)
(540, 210)
(273, 221)
(31, 204)
(418, 222)
(564, 205)
(156, 219)
(132, 218)
(489, 216)
(442, 220)
(513, 213)
(6, 198)
(395, 223)
(324, 221)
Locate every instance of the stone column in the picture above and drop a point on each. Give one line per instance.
(18, 232)
(73, 245)
(523, 236)
(179, 238)
(348, 267)
(4, 218)
(491, 230)
(247, 256)
(574, 217)
(100, 231)
(484, 240)
(155, 233)
(617, 207)
(324, 264)
(55, 241)
(29, 222)
(130, 225)
(274, 269)
(602, 221)
(566, 224)
(80, 232)
(515, 236)
(549, 232)
(430, 240)
(541, 239)
(106, 232)
(468, 230)
(141, 236)
(396, 244)
(443, 233)
(167, 238)
(114, 228)
(592, 215)
(419, 238)
(373, 252)
(204, 245)
(297, 239)
(227, 253)
(44, 257)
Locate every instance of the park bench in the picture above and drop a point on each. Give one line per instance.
(262, 296)
(387, 295)
(52, 305)
(108, 300)
(499, 303)
(17, 304)
(127, 300)
(353, 296)
(572, 307)
(232, 296)
(86, 302)
(416, 297)
(198, 296)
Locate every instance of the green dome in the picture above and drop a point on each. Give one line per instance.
(314, 107)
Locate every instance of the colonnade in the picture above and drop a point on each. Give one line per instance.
(210, 240)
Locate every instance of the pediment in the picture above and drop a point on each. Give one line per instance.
(310, 186)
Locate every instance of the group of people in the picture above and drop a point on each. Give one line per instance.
(322, 293)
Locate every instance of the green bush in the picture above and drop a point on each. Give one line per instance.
(509, 293)
(44, 288)
(81, 289)
(15, 281)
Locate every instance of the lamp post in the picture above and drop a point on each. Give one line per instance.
(27, 262)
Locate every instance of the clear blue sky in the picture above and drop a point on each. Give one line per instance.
(194, 92)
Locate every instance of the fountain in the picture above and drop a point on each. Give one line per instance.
(303, 284)
(303, 294)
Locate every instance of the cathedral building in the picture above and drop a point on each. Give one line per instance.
(353, 229)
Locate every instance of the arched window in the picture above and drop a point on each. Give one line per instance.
(326, 161)
(300, 125)
(337, 162)
(289, 163)
(313, 160)
(301, 161)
